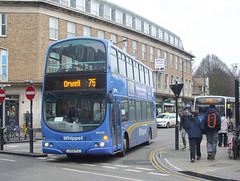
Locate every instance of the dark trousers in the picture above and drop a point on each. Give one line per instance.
(222, 137)
(195, 147)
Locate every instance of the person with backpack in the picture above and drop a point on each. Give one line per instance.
(210, 125)
(223, 133)
(195, 136)
(183, 125)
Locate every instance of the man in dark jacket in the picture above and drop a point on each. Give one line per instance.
(183, 125)
(211, 132)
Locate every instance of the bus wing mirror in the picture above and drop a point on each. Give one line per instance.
(110, 98)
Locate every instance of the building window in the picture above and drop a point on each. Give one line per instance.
(159, 54)
(135, 49)
(80, 4)
(128, 20)
(165, 58)
(124, 44)
(138, 24)
(71, 29)
(86, 31)
(176, 41)
(172, 39)
(107, 12)
(185, 66)
(151, 54)
(118, 17)
(166, 36)
(53, 28)
(94, 7)
(154, 31)
(146, 28)
(159, 82)
(166, 83)
(4, 63)
(171, 60)
(189, 67)
(181, 64)
(143, 52)
(3, 24)
(189, 88)
(100, 34)
(160, 34)
(186, 87)
(176, 62)
(114, 38)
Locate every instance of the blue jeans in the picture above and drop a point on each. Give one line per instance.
(212, 140)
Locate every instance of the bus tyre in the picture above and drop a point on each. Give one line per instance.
(149, 138)
(123, 153)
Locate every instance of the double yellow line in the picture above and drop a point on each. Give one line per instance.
(160, 168)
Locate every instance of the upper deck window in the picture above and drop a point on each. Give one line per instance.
(76, 56)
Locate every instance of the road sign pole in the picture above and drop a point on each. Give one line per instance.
(2, 126)
(31, 127)
(2, 98)
(30, 94)
(176, 127)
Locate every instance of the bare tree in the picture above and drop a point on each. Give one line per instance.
(221, 79)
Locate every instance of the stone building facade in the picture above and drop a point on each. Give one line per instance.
(29, 26)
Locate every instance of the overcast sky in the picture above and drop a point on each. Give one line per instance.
(204, 26)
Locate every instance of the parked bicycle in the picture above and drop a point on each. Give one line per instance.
(234, 145)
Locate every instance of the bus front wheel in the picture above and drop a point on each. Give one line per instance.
(123, 153)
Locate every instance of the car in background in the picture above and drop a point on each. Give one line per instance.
(167, 120)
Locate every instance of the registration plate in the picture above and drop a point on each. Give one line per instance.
(73, 150)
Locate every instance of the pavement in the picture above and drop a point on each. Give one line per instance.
(36, 150)
(222, 168)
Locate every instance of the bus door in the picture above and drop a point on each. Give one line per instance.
(116, 125)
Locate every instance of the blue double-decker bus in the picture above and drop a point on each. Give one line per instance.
(97, 99)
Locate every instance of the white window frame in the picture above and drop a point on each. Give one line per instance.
(119, 17)
(181, 64)
(154, 31)
(135, 45)
(159, 53)
(87, 31)
(146, 28)
(176, 62)
(160, 34)
(4, 57)
(107, 12)
(53, 28)
(80, 4)
(138, 24)
(94, 7)
(166, 83)
(151, 54)
(166, 36)
(159, 85)
(71, 29)
(114, 38)
(171, 60)
(101, 34)
(125, 44)
(171, 39)
(3, 25)
(166, 58)
(144, 49)
(128, 20)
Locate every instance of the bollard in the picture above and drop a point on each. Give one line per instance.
(25, 131)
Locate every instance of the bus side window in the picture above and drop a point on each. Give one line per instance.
(124, 106)
(132, 115)
(122, 64)
(114, 63)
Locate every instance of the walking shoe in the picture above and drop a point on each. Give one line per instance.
(198, 157)
(212, 158)
(184, 147)
(209, 155)
(192, 161)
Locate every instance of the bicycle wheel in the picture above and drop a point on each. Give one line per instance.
(234, 148)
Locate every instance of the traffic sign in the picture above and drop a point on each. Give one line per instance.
(177, 88)
(30, 92)
(2, 95)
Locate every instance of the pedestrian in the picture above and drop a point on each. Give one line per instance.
(210, 125)
(183, 125)
(195, 136)
(223, 133)
(27, 118)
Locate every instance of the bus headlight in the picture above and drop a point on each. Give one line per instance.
(102, 144)
(46, 144)
(51, 144)
(96, 144)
